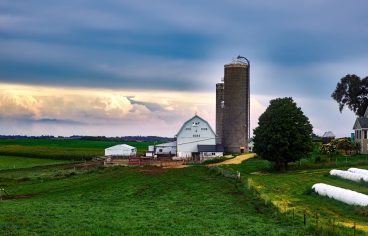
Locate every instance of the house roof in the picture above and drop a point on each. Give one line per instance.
(196, 116)
(361, 123)
(210, 148)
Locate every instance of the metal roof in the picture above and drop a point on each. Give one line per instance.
(210, 148)
(171, 144)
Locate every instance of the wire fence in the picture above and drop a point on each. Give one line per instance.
(312, 221)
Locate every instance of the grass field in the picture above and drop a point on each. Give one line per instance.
(65, 149)
(13, 162)
(132, 201)
(291, 190)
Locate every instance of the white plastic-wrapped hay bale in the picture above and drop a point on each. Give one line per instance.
(349, 175)
(358, 171)
(340, 194)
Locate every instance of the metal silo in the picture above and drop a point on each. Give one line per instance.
(236, 107)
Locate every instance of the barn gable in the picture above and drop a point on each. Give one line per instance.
(192, 121)
(194, 132)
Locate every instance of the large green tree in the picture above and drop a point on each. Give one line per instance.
(352, 91)
(284, 133)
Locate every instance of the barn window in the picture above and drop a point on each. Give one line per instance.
(160, 150)
(365, 134)
(188, 129)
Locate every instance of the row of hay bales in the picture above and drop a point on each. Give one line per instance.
(345, 195)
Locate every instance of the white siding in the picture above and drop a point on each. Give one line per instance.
(210, 155)
(194, 132)
(166, 148)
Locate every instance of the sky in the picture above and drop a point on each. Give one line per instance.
(117, 68)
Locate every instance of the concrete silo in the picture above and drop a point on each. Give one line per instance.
(219, 111)
(233, 113)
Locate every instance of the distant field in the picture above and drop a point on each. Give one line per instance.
(13, 162)
(66, 149)
(132, 201)
(292, 190)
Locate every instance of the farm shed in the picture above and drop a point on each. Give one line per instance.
(208, 152)
(166, 148)
(195, 131)
(328, 136)
(122, 150)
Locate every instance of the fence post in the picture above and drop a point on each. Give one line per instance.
(354, 227)
(316, 216)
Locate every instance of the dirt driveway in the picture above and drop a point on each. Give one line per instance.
(237, 160)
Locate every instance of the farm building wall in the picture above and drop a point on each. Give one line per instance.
(166, 149)
(194, 132)
(210, 155)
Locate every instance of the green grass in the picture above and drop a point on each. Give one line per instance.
(65, 149)
(12, 162)
(133, 201)
(292, 190)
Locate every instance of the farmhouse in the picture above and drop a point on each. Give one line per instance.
(121, 150)
(360, 129)
(197, 141)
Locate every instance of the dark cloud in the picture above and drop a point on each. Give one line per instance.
(171, 45)
(153, 107)
(57, 121)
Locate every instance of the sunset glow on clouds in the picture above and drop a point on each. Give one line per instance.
(34, 109)
(64, 111)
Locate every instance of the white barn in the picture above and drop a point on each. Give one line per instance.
(197, 132)
(122, 150)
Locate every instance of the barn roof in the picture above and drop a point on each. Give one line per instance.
(210, 148)
(196, 116)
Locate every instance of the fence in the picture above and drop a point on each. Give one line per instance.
(311, 221)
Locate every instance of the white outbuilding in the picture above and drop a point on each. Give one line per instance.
(166, 149)
(121, 150)
(197, 132)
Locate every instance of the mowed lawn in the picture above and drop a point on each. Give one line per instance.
(13, 162)
(67, 149)
(132, 201)
(292, 190)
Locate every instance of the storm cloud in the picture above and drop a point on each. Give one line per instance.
(298, 49)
